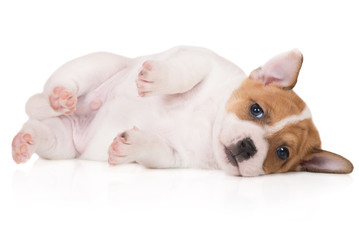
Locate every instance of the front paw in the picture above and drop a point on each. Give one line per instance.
(153, 78)
(124, 147)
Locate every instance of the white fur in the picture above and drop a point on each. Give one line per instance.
(181, 121)
(305, 114)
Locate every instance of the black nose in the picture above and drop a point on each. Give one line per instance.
(246, 148)
(243, 150)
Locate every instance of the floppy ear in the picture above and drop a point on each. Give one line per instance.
(326, 162)
(282, 70)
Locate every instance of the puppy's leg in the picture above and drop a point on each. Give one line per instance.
(175, 71)
(50, 139)
(71, 81)
(137, 146)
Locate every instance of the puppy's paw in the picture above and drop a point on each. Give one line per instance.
(124, 147)
(63, 100)
(22, 147)
(153, 78)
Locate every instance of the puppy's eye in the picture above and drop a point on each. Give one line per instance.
(283, 153)
(256, 111)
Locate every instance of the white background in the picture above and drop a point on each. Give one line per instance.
(89, 200)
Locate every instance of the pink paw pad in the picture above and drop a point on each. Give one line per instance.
(22, 147)
(62, 100)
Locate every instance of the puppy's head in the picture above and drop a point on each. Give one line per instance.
(268, 128)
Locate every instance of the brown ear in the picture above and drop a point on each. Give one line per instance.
(282, 70)
(326, 162)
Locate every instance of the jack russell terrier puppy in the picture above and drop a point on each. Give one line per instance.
(185, 107)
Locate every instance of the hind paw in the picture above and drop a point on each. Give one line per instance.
(63, 100)
(22, 147)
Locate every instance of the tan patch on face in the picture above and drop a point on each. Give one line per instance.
(276, 103)
(300, 138)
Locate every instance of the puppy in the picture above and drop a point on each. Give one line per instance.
(185, 107)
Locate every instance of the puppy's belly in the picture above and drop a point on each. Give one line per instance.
(94, 108)
(187, 133)
(183, 122)
(115, 116)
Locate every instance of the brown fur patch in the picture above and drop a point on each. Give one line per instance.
(275, 102)
(300, 138)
